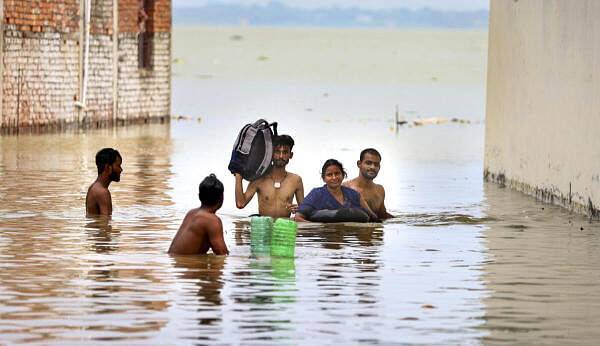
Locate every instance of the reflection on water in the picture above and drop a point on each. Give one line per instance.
(463, 262)
(542, 272)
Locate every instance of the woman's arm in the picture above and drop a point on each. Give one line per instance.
(300, 218)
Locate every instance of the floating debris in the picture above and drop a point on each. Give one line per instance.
(308, 109)
(461, 121)
(428, 306)
(178, 61)
(401, 120)
(429, 121)
(325, 94)
(262, 58)
(236, 37)
(181, 117)
(434, 79)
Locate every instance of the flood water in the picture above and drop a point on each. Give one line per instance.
(464, 262)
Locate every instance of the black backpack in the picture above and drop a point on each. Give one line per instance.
(253, 150)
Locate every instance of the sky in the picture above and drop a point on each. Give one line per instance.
(458, 5)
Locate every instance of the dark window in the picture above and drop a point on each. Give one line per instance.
(144, 49)
(144, 37)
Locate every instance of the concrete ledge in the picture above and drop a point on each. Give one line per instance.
(550, 195)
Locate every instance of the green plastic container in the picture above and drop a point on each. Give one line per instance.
(283, 239)
(261, 228)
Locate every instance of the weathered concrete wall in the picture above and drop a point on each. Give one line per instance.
(543, 100)
(42, 64)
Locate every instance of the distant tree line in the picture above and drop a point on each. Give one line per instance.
(278, 14)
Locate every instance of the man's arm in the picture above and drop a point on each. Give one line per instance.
(215, 237)
(104, 202)
(299, 191)
(243, 198)
(382, 212)
(299, 195)
(364, 204)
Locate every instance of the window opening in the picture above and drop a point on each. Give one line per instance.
(144, 37)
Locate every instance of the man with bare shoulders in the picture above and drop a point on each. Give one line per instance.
(98, 200)
(201, 228)
(277, 188)
(374, 194)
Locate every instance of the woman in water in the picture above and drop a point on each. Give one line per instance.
(332, 195)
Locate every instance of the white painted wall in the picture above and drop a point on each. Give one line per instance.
(543, 99)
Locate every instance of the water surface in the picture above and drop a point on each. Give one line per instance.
(464, 262)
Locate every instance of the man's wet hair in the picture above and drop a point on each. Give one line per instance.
(210, 190)
(369, 151)
(106, 157)
(283, 140)
(333, 162)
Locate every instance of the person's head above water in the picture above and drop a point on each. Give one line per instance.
(282, 150)
(333, 173)
(369, 163)
(109, 160)
(210, 191)
(282, 141)
(333, 162)
(369, 151)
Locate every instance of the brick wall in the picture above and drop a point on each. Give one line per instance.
(160, 16)
(128, 16)
(42, 62)
(144, 93)
(28, 15)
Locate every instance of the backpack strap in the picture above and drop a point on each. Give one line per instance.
(274, 125)
(266, 162)
(237, 144)
(246, 144)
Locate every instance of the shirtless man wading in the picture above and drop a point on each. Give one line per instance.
(201, 228)
(277, 188)
(374, 194)
(98, 200)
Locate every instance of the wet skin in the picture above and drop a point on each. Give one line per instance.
(373, 193)
(273, 201)
(98, 200)
(200, 231)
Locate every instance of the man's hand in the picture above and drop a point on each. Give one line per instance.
(292, 207)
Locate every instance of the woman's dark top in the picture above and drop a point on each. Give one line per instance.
(320, 198)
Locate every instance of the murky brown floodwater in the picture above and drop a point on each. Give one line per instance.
(465, 262)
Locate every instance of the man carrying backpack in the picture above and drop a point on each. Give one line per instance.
(277, 188)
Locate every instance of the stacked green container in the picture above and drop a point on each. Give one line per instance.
(261, 228)
(283, 239)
